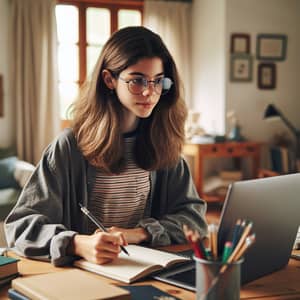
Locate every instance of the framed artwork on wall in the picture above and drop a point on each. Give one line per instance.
(241, 67)
(1, 97)
(266, 77)
(271, 47)
(240, 43)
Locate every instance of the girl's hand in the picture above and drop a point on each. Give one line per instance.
(133, 235)
(100, 247)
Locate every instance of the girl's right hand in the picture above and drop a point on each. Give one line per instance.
(100, 247)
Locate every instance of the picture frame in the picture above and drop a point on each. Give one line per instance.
(266, 76)
(271, 47)
(241, 68)
(240, 43)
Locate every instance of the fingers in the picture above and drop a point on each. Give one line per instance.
(122, 231)
(100, 247)
(121, 237)
(110, 241)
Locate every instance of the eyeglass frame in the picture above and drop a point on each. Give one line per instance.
(146, 84)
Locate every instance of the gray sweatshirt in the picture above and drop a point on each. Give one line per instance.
(47, 214)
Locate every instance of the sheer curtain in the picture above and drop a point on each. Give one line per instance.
(34, 75)
(171, 20)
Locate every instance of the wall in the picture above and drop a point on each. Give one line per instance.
(7, 130)
(268, 16)
(213, 93)
(208, 63)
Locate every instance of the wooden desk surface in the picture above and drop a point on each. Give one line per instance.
(284, 284)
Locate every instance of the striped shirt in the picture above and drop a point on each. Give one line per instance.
(120, 200)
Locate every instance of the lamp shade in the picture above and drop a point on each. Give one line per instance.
(271, 112)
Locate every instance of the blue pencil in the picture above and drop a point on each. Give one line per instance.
(236, 233)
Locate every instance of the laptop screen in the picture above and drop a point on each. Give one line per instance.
(273, 205)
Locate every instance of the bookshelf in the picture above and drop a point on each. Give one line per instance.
(197, 153)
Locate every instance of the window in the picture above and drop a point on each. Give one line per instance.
(83, 27)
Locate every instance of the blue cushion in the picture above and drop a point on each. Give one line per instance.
(7, 168)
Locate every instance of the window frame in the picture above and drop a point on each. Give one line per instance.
(114, 6)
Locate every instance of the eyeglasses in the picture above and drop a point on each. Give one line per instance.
(138, 85)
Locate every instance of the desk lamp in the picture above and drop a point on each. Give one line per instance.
(272, 112)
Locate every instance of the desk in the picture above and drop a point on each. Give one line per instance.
(199, 152)
(283, 284)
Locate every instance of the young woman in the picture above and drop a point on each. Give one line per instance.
(121, 159)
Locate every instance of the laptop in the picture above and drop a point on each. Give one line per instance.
(273, 205)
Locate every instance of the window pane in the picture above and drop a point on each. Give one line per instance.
(129, 17)
(67, 23)
(68, 92)
(93, 53)
(68, 62)
(98, 25)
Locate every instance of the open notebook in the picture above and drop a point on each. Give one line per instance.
(141, 262)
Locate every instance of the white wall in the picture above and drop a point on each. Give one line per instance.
(213, 93)
(208, 63)
(267, 16)
(7, 130)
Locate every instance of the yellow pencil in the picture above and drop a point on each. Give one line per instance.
(240, 243)
(213, 229)
(248, 242)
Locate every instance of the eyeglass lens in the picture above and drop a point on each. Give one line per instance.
(139, 85)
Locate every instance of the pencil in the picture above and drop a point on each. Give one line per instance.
(235, 234)
(97, 223)
(248, 242)
(213, 240)
(240, 242)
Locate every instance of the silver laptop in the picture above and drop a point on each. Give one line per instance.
(273, 205)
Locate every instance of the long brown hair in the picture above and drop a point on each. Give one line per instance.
(97, 114)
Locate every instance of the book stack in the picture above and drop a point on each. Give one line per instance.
(72, 284)
(282, 160)
(233, 175)
(218, 185)
(8, 269)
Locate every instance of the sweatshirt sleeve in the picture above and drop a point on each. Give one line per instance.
(35, 227)
(175, 202)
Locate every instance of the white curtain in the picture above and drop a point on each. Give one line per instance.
(171, 20)
(34, 75)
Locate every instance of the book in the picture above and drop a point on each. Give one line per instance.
(140, 263)
(15, 295)
(216, 185)
(231, 175)
(8, 266)
(72, 284)
(282, 160)
(276, 159)
(146, 292)
(7, 279)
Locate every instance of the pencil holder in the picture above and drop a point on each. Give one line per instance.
(216, 280)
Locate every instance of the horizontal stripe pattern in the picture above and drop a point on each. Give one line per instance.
(120, 200)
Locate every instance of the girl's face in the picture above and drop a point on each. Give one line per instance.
(142, 104)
